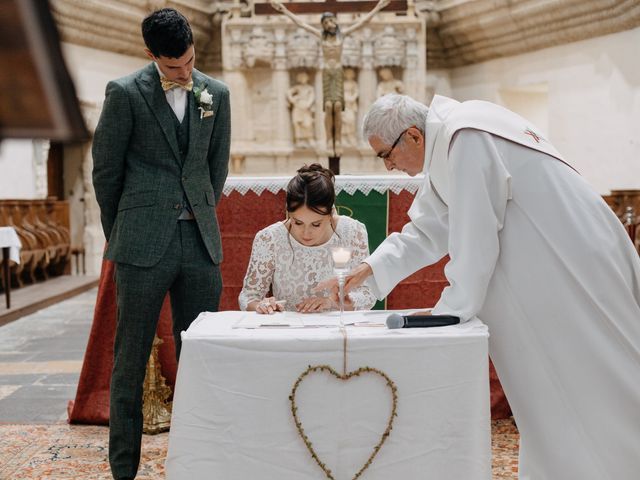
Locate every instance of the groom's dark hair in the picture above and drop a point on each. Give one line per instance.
(167, 33)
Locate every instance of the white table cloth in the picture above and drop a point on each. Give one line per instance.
(9, 238)
(232, 415)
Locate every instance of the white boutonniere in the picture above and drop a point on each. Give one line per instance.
(204, 100)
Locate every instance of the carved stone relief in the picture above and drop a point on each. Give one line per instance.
(388, 84)
(259, 48)
(301, 98)
(351, 51)
(350, 114)
(262, 59)
(302, 49)
(389, 49)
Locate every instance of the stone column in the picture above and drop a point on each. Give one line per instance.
(93, 236)
(318, 118)
(241, 122)
(415, 66)
(281, 84)
(233, 67)
(40, 157)
(367, 78)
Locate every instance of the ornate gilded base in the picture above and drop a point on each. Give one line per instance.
(156, 409)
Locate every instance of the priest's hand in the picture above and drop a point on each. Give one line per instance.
(355, 278)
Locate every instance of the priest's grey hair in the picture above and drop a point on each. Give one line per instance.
(391, 114)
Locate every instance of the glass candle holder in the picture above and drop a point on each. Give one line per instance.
(341, 257)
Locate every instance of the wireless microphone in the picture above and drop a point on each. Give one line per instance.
(420, 321)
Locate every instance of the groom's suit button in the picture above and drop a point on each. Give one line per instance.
(177, 206)
(184, 178)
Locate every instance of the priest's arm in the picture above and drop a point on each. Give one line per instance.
(468, 229)
(479, 190)
(422, 242)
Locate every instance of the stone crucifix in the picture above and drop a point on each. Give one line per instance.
(331, 39)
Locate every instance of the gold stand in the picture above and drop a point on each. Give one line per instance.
(156, 410)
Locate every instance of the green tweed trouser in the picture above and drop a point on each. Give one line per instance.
(194, 283)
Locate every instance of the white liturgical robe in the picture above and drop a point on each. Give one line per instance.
(539, 257)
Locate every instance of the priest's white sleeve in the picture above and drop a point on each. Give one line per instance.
(479, 188)
(422, 242)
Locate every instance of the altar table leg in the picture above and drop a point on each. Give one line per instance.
(7, 275)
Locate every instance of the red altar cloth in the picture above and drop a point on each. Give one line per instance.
(239, 221)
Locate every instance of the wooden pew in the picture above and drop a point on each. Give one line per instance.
(626, 205)
(43, 229)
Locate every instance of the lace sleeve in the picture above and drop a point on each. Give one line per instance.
(362, 296)
(259, 276)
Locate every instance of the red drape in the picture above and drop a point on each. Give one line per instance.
(240, 218)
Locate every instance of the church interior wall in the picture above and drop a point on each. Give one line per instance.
(18, 179)
(585, 94)
(92, 69)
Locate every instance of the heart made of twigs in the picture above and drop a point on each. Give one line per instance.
(344, 377)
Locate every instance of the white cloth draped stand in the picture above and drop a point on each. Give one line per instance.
(11, 245)
(232, 416)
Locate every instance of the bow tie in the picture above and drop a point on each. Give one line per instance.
(169, 84)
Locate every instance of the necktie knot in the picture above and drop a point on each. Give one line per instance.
(169, 84)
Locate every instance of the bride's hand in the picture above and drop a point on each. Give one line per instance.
(269, 305)
(323, 304)
(315, 305)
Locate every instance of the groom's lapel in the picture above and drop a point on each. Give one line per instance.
(195, 122)
(151, 90)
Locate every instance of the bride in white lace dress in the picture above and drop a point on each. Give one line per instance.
(290, 258)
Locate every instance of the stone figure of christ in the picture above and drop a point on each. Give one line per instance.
(331, 39)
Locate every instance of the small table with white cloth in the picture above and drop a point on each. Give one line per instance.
(232, 410)
(11, 245)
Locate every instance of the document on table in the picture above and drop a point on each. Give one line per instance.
(312, 320)
(277, 320)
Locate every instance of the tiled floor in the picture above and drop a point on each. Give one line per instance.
(40, 360)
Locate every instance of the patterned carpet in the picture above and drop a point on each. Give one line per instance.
(71, 452)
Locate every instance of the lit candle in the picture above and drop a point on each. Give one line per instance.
(341, 256)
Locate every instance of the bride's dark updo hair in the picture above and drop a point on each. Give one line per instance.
(312, 187)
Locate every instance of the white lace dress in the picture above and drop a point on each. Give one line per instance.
(290, 269)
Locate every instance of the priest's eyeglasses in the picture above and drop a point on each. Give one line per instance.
(384, 156)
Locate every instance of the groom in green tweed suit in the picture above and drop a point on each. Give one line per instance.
(161, 153)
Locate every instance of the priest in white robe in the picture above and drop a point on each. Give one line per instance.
(539, 257)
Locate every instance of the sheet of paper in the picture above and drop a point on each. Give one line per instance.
(277, 320)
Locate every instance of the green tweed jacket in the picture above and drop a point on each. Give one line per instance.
(138, 173)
